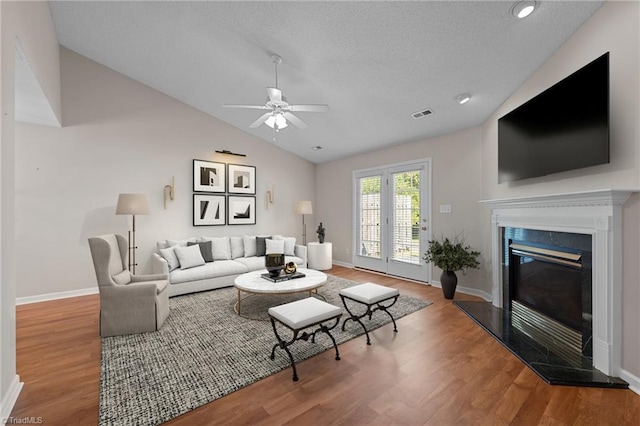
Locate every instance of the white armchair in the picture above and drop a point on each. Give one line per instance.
(129, 303)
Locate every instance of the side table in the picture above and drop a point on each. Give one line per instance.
(319, 256)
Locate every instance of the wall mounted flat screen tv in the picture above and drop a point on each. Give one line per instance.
(566, 127)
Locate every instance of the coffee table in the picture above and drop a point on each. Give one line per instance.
(253, 284)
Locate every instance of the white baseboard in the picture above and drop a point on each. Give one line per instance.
(10, 399)
(634, 382)
(344, 264)
(55, 296)
(467, 290)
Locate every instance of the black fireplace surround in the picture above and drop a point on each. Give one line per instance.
(548, 283)
(547, 273)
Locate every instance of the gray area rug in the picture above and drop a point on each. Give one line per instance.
(205, 351)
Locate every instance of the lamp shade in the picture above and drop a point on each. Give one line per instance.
(304, 207)
(133, 204)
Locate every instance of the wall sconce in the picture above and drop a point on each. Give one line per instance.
(171, 188)
(271, 197)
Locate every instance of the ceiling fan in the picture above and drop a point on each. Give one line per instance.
(280, 112)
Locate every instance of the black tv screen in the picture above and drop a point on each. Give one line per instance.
(566, 127)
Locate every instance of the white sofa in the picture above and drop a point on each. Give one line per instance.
(240, 257)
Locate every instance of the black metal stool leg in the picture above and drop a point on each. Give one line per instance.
(325, 330)
(384, 308)
(356, 318)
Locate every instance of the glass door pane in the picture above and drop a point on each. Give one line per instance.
(405, 225)
(370, 222)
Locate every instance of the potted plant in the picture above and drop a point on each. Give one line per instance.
(451, 256)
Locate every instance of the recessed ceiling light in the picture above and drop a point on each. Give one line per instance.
(463, 98)
(522, 9)
(316, 148)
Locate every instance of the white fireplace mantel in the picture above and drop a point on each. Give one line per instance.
(596, 213)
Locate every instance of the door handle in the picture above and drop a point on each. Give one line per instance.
(424, 228)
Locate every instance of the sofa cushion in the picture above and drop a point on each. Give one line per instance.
(249, 243)
(274, 246)
(220, 248)
(189, 257)
(170, 256)
(289, 244)
(205, 250)
(237, 247)
(181, 243)
(261, 246)
(297, 260)
(215, 269)
(252, 263)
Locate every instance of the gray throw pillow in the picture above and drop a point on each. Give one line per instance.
(261, 246)
(205, 250)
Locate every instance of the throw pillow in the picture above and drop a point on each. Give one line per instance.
(261, 246)
(205, 250)
(220, 248)
(249, 246)
(237, 247)
(181, 243)
(189, 257)
(274, 246)
(289, 244)
(170, 256)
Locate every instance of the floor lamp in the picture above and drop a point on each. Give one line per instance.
(132, 204)
(304, 207)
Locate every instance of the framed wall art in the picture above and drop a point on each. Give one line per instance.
(209, 210)
(208, 176)
(242, 179)
(241, 210)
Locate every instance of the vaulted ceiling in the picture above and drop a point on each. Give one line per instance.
(373, 63)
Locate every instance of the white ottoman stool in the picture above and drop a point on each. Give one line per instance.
(369, 294)
(299, 315)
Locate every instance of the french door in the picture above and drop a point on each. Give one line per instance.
(392, 219)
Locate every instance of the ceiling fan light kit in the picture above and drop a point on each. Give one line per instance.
(279, 110)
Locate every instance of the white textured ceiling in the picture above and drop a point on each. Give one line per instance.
(373, 63)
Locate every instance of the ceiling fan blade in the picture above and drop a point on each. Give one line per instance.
(245, 106)
(260, 120)
(309, 108)
(275, 94)
(295, 120)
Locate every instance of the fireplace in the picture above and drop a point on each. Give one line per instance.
(547, 289)
(594, 214)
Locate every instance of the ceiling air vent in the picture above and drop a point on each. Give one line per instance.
(420, 114)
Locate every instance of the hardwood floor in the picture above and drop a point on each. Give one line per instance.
(440, 368)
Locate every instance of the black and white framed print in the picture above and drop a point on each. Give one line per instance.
(209, 210)
(208, 176)
(242, 210)
(242, 179)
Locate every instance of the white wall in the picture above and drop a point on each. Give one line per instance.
(31, 23)
(121, 136)
(456, 180)
(613, 28)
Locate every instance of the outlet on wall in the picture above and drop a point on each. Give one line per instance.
(445, 208)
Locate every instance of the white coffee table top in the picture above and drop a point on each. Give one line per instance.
(252, 282)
